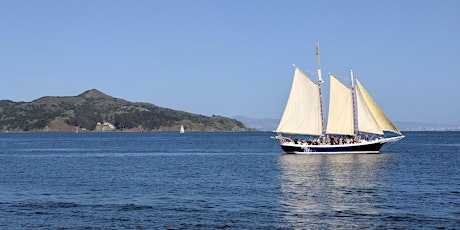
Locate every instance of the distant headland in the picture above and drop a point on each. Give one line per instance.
(96, 111)
(270, 124)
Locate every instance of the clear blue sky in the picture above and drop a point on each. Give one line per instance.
(233, 57)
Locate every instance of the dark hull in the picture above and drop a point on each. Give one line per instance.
(371, 147)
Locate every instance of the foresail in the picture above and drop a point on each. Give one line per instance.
(340, 117)
(366, 121)
(373, 110)
(302, 114)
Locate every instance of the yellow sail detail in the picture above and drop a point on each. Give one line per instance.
(366, 121)
(380, 118)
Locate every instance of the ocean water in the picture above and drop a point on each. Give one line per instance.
(223, 180)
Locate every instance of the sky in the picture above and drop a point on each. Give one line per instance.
(234, 57)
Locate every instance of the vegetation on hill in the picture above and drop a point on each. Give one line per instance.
(88, 109)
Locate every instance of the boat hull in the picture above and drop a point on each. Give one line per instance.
(333, 149)
(362, 147)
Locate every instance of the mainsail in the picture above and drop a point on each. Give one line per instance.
(340, 118)
(371, 118)
(302, 114)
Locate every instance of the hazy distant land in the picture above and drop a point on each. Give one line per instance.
(270, 124)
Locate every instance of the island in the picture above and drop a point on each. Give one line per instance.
(96, 111)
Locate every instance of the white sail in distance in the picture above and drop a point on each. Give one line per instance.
(302, 114)
(340, 118)
(371, 118)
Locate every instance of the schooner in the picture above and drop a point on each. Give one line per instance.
(355, 123)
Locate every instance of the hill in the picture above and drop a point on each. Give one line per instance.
(96, 111)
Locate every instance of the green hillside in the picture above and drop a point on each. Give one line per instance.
(93, 107)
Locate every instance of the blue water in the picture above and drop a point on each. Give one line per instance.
(223, 180)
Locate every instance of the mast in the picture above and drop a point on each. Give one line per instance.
(320, 81)
(355, 127)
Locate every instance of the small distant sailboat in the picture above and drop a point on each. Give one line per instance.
(182, 130)
(355, 124)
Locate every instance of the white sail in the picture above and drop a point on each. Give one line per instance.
(340, 118)
(302, 114)
(368, 109)
(182, 130)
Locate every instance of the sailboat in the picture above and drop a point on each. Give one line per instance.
(182, 130)
(355, 123)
